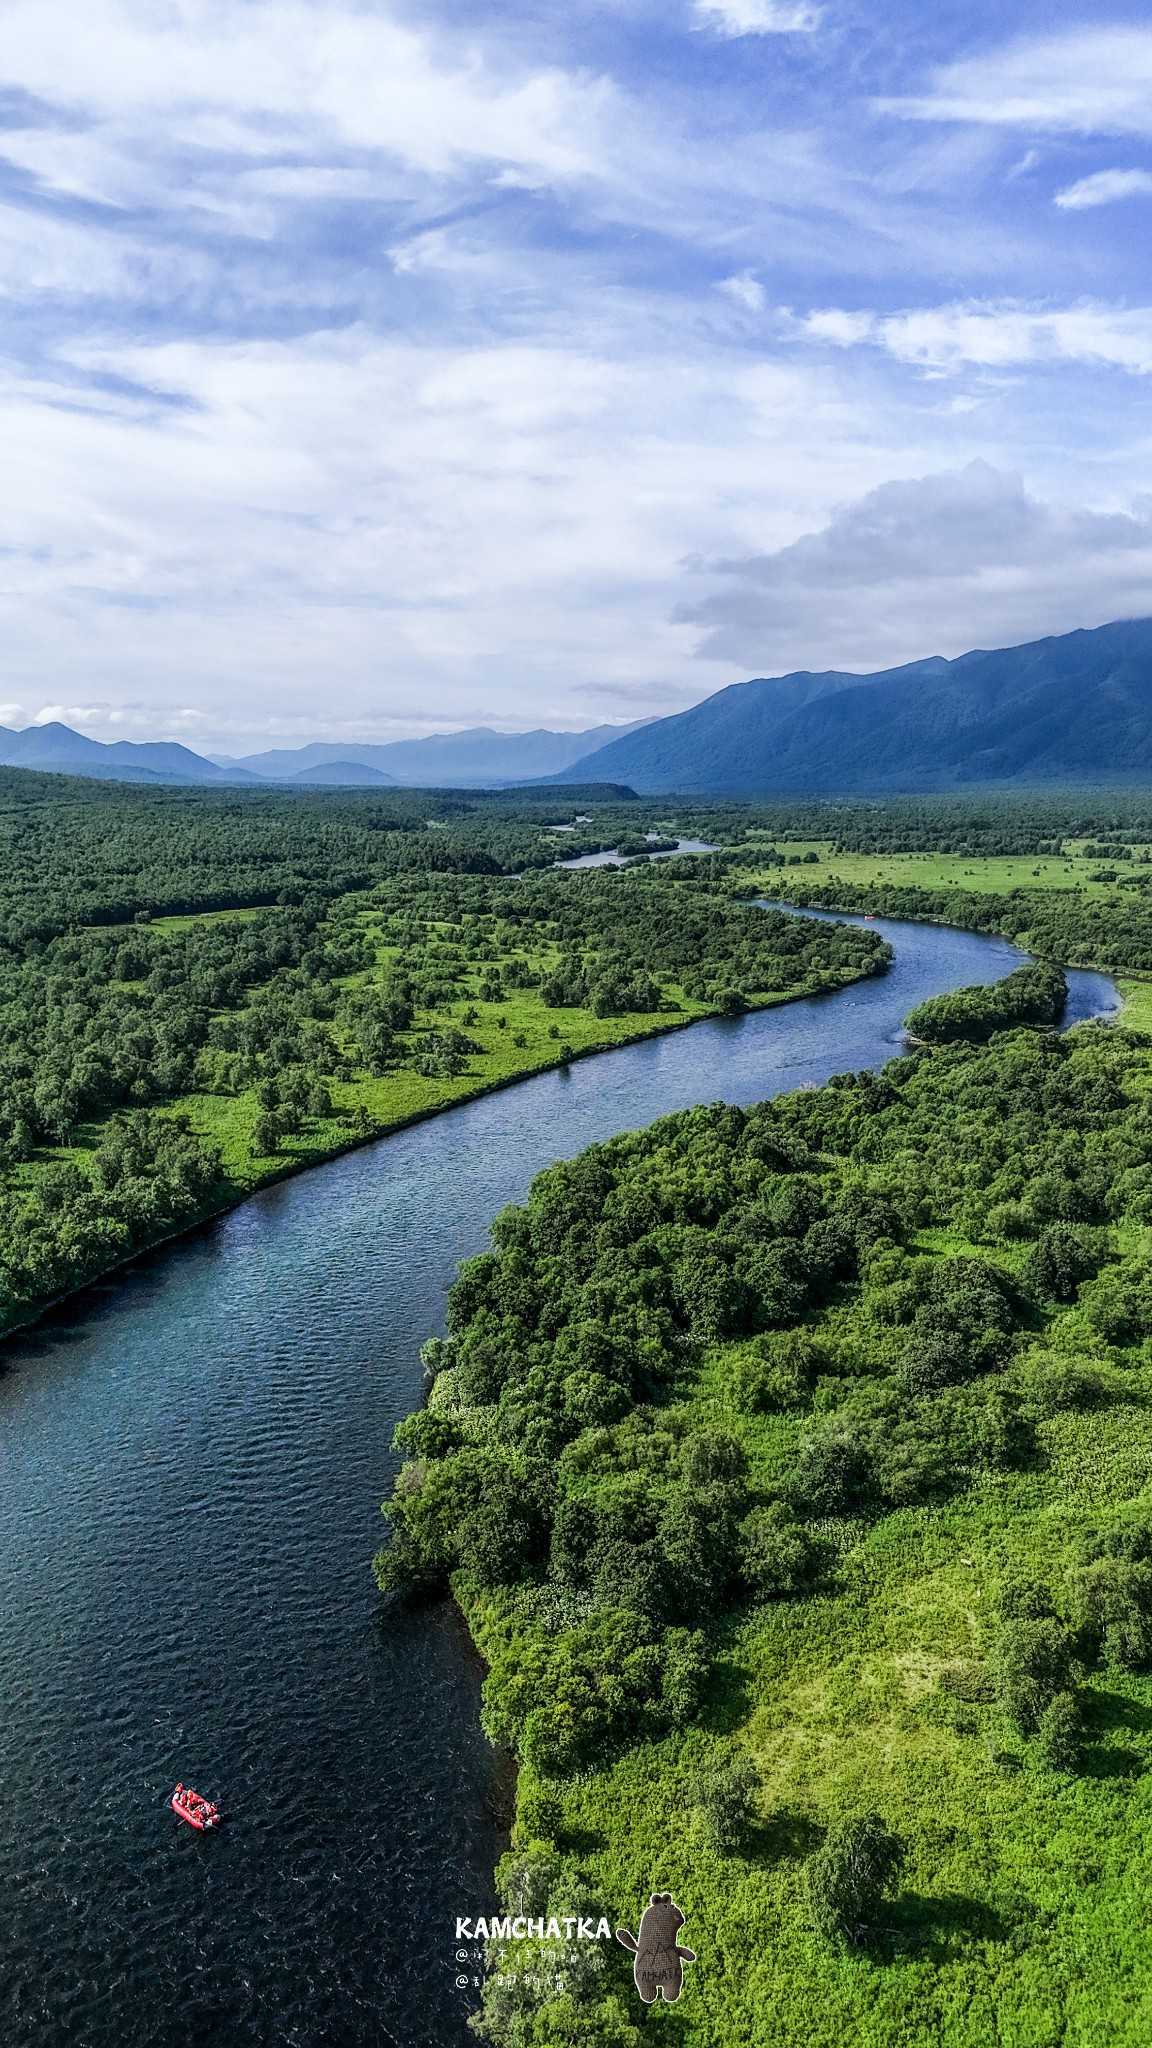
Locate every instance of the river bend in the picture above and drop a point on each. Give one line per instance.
(191, 1460)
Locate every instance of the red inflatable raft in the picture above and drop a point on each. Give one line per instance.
(198, 1812)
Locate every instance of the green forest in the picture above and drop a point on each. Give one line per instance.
(1032, 995)
(200, 992)
(793, 1469)
(792, 1466)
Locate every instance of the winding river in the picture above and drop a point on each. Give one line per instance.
(191, 1459)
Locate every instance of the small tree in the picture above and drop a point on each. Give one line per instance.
(713, 1454)
(539, 1813)
(266, 1135)
(831, 1471)
(777, 1555)
(850, 1875)
(1112, 1610)
(724, 1796)
(1024, 1598)
(1061, 1259)
(1035, 1660)
(1059, 1738)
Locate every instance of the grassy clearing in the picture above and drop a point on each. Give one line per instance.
(993, 874)
(1021, 1913)
(193, 917)
(517, 1036)
(403, 1095)
(1137, 997)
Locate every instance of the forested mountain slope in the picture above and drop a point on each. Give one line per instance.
(1076, 709)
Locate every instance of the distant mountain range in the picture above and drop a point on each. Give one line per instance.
(477, 759)
(57, 748)
(1072, 709)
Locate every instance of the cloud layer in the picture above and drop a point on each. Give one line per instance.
(378, 365)
(942, 550)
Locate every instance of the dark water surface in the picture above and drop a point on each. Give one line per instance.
(191, 1460)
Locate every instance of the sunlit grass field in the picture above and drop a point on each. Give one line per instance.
(1137, 1003)
(516, 1036)
(1022, 1911)
(994, 874)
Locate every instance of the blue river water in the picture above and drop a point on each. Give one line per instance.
(192, 1457)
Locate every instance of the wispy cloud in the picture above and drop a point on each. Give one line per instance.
(1003, 334)
(1104, 188)
(1087, 81)
(759, 17)
(276, 71)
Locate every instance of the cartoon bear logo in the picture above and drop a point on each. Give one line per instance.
(659, 1963)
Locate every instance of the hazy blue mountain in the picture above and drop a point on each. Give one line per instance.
(343, 775)
(1076, 708)
(477, 757)
(56, 747)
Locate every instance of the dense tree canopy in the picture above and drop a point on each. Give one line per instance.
(700, 1355)
(170, 952)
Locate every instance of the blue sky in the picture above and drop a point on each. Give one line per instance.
(371, 369)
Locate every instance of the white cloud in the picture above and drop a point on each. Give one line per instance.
(842, 328)
(1086, 81)
(277, 70)
(758, 17)
(348, 532)
(149, 720)
(341, 100)
(933, 564)
(342, 526)
(1000, 334)
(214, 129)
(746, 290)
(84, 165)
(1103, 188)
(314, 181)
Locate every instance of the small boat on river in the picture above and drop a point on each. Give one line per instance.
(198, 1812)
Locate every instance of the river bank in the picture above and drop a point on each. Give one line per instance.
(193, 1458)
(578, 1506)
(308, 1153)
